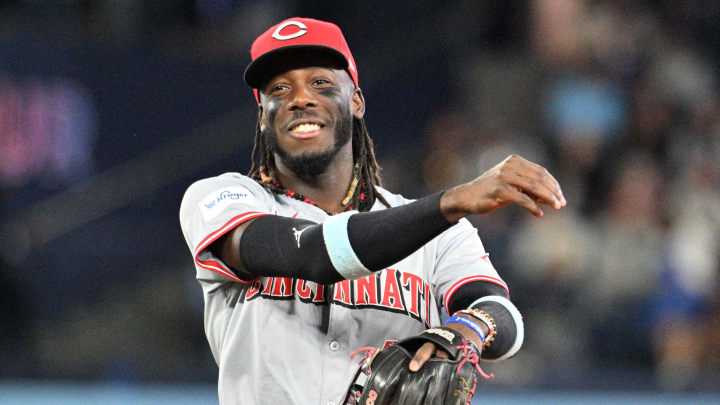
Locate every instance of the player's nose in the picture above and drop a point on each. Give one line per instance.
(303, 97)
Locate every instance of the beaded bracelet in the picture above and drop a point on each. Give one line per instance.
(470, 324)
(486, 319)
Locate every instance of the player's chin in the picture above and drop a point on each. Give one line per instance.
(311, 156)
(310, 162)
(310, 146)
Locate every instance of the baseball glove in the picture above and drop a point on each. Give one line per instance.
(388, 380)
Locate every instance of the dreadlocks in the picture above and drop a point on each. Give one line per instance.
(367, 171)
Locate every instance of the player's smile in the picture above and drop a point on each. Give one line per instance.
(305, 129)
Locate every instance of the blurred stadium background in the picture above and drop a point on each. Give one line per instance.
(109, 109)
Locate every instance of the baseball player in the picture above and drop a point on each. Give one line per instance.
(307, 258)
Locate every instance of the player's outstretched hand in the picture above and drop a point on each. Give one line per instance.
(513, 181)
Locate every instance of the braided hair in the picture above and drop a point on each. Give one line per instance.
(366, 167)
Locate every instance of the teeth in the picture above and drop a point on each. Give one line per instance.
(306, 128)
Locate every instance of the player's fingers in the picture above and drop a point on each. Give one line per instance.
(512, 195)
(421, 356)
(522, 165)
(534, 188)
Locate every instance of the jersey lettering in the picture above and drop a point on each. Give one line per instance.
(319, 297)
(254, 289)
(383, 291)
(283, 287)
(391, 291)
(366, 291)
(342, 293)
(304, 291)
(268, 286)
(413, 283)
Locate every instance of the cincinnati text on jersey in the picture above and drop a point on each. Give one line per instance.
(388, 290)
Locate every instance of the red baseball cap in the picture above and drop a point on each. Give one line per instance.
(300, 41)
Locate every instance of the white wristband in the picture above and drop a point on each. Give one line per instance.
(338, 246)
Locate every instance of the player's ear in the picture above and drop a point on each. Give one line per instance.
(358, 104)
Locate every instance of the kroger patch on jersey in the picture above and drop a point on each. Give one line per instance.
(389, 290)
(213, 204)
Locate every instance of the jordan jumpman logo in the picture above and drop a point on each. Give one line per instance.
(298, 233)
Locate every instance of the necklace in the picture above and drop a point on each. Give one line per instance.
(277, 188)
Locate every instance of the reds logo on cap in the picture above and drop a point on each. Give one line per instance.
(297, 35)
(277, 35)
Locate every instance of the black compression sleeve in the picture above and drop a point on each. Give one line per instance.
(507, 330)
(382, 238)
(470, 292)
(289, 247)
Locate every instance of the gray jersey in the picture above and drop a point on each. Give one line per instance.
(282, 340)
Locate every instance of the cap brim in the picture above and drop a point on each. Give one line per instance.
(291, 57)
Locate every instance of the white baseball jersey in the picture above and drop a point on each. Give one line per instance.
(288, 341)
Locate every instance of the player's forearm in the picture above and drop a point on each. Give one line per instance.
(346, 246)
